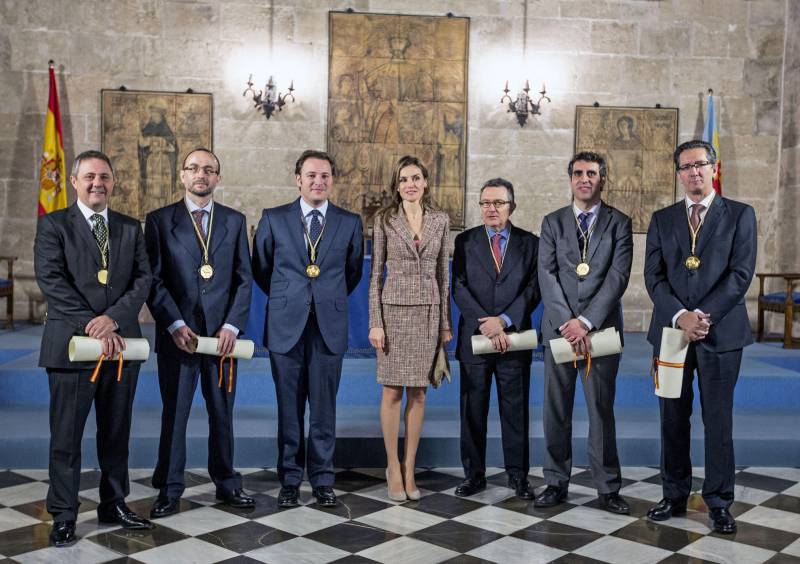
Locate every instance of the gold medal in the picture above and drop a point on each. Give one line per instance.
(692, 262)
(206, 271)
(312, 271)
(582, 269)
(102, 276)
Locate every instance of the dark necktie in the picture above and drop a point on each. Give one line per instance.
(584, 218)
(315, 227)
(497, 251)
(100, 232)
(198, 220)
(694, 218)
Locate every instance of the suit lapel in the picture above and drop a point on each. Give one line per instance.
(680, 226)
(81, 227)
(219, 229)
(570, 230)
(402, 229)
(480, 248)
(603, 220)
(183, 230)
(712, 220)
(429, 227)
(114, 239)
(332, 221)
(295, 227)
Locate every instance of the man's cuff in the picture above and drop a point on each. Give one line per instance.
(231, 328)
(175, 326)
(676, 316)
(506, 319)
(589, 325)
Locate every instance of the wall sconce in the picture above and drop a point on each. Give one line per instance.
(524, 105)
(269, 99)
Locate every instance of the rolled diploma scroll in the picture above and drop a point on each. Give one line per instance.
(83, 349)
(208, 345)
(673, 350)
(603, 343)
(523, 341)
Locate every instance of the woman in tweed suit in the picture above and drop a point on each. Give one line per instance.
(409, 311)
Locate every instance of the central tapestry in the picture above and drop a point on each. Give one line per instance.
(397, 86)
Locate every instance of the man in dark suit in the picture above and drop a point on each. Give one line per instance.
(91, 266)
(496, 291)
(307, 257)
(201, 286)
(700, 258)
(585, 255)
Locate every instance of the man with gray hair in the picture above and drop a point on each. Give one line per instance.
(92, 268)
(496, 291)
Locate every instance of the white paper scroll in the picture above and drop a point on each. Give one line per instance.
(603, 343)
(673, 351)
(208, 345)
(84, 349)
(526, 340)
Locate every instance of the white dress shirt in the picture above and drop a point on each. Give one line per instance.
(593, 211)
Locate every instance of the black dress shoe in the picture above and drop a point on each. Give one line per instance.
(325, 496)
(121, 514)
(470, 487)
(288, 497)
(236, 498)
(164, 506)
(666, 508)
(614, 503)
(521, 486)
(551, 496)
(63, 533)
(724, 522)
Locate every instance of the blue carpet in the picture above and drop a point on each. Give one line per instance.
(7, 355)
(786, 362)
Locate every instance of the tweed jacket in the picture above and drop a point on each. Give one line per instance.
(412, 277)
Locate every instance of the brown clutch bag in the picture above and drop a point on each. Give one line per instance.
(441, 367)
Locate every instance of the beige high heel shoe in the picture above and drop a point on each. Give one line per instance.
(414, 494)
(394, 496)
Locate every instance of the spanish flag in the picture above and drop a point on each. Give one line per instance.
(711, 135)
(53, 172)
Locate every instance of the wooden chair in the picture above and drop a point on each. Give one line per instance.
(7, 291)
(786, 302)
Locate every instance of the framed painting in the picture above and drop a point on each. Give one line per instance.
(397, 85)
(637, 144)
(147, 135)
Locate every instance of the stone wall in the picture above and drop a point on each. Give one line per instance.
(615, 52)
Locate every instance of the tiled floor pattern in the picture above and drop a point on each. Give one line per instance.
(493, 526)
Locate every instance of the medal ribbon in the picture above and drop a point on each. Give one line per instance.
(104, 247)
(692, 231)
(312, 247)
(586, 236)
(205, 243)
(499, 264)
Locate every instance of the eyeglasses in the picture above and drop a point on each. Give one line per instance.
(696, 164)
(497, 204)
(207, 170)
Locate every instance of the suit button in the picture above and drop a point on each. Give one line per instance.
(203, 291)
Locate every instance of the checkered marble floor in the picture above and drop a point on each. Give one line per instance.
(492, 526)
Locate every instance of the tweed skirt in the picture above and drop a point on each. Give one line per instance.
(412, 336)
